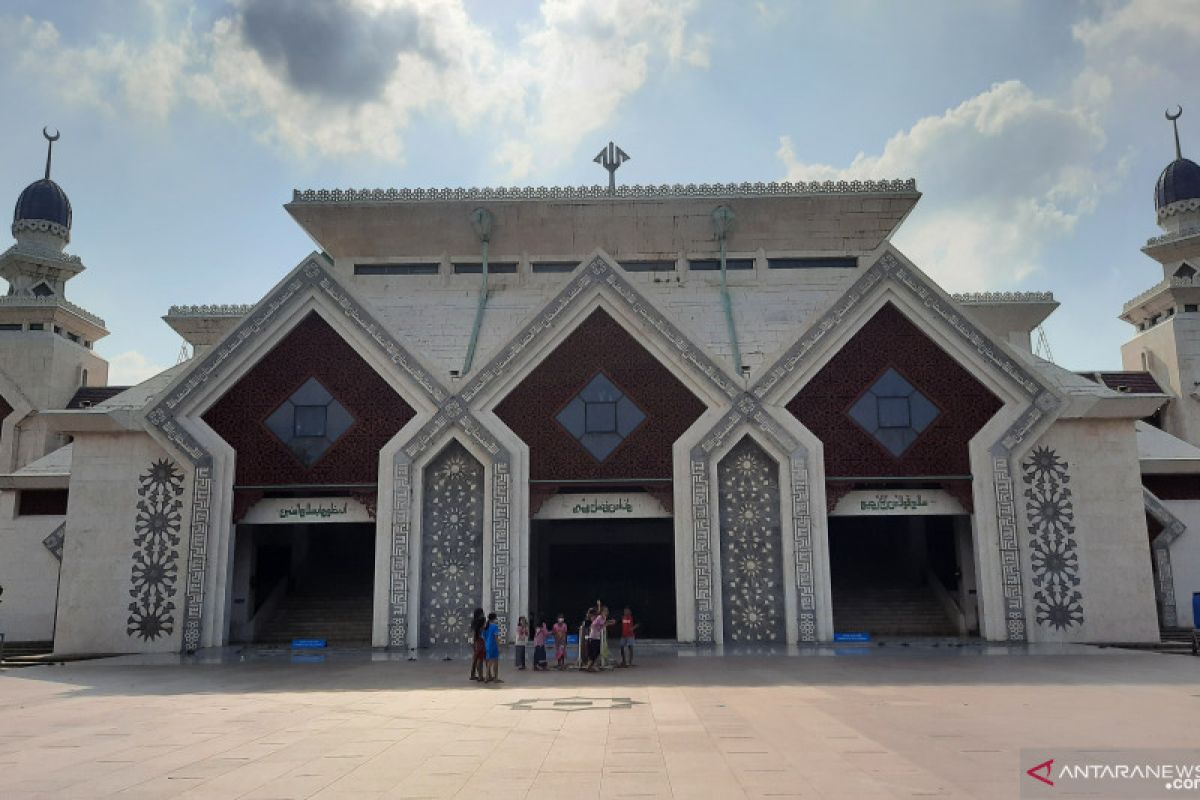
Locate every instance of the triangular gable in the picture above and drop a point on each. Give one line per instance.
(309, 278)
(888, 270)
(603, 275)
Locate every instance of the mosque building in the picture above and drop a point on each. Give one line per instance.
(736, 408)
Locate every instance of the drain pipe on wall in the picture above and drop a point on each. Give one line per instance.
(722, 219)
(481, 223)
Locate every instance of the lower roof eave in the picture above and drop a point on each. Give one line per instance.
(91, 420)
(41, 481)
(1169, 466)
(1117, 406)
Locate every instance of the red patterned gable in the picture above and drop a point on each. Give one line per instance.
(890, 339)
(311, 350)
(600, 344)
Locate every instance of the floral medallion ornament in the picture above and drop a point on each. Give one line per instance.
(1053, 549)
(156, 559)
(751, 558)
(451, 546)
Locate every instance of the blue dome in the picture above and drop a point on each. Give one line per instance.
(45, 200)
(1179, 181)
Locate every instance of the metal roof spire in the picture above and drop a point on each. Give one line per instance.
(50, 140)
(611, 158)
(1175, 124)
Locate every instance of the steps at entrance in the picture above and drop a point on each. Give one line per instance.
(340, 616)
(890, 611)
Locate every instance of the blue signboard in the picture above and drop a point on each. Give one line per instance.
(308, 644)
(852, 637)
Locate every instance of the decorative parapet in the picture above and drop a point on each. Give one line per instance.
(41, 226)
(1182, 233)
(38, 252)
(601, 192)
(1169, 283)
(51, 302)
(1179, 207)
(990, 298)
(225, 310)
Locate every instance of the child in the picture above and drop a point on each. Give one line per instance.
(491, 647)
(478, 623)
(585, 637)
(560, 642)
(628, 630)
(539, 646)
(594, 635)
(522, 640)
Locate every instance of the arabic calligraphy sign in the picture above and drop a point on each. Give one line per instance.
(601, 505)
(897, 503)
(289, 510)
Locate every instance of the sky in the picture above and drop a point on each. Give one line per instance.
(1035, 129)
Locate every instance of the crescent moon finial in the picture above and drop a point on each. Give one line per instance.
(1175, 124)
(49, 138)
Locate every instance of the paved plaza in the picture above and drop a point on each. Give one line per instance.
(872, 723)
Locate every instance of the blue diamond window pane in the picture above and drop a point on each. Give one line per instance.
(893, 412)
(864, 412)
(282, 421)
(601, 418)
(311, 393)
(922, 411)
(310, 421)
(600, 390)
(309, 448)
(601, 445)
(629, 416)
(572, 418)
(896, 440)
(891, 384)
(337, 421)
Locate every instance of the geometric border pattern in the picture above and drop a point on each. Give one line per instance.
(747, 411)
(1164, 584)
(162, 415)
(155, 561)
(1054, 556)
(752, 591)
(451, 545)
(55, 541)
(451, 414)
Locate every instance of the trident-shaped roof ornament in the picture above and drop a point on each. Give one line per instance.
(1175, 124)
(610, 158)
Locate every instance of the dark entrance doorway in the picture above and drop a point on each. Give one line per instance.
(304, 582)
(622, 562)
(902, 576)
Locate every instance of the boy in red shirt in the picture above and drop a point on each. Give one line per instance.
(628, 633)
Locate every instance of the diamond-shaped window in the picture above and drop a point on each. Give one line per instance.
(309, 421)
(600, 417)
(893, 412)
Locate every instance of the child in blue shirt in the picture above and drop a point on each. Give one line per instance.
(491, 646)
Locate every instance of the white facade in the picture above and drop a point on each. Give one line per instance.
(151, 515)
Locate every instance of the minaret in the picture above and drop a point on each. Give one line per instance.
(1167, 316)
(45, 341)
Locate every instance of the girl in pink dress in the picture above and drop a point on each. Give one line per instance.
(560, 643)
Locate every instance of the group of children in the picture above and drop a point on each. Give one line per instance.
(485, 642)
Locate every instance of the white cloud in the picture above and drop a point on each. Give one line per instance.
(131, 368)
(263, 64)
(1002, 174)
